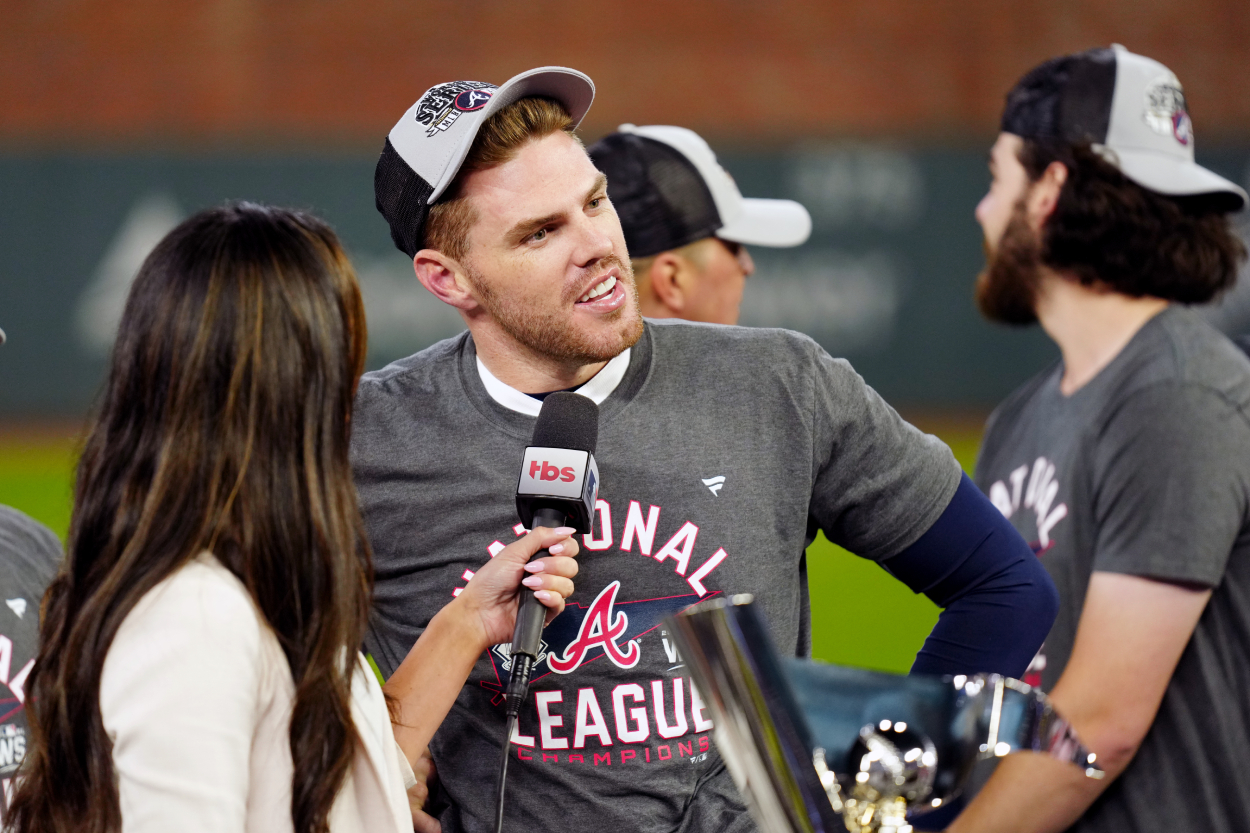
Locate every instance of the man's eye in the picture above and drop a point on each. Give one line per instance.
(539, 235)
(596, 202)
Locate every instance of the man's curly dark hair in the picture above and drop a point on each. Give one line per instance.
(1107, 230)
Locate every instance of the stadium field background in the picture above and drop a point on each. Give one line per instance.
(860, 615)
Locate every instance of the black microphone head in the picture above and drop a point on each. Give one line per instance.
(567, 420)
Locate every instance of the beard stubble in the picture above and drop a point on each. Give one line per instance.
(1007, 288)
(551, 333)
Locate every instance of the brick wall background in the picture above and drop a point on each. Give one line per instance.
(337, 73)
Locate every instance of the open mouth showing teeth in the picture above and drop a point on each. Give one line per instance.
(602, 288)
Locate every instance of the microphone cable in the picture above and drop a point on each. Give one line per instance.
(518, 690)
(503, 771)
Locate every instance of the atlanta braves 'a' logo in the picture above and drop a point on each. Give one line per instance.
(600, 629)
(580, 635)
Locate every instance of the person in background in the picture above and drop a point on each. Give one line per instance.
(198, 665)
(29, 557)
(1127, 463)
(686, 225)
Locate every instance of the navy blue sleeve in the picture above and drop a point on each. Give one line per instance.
(998, 601)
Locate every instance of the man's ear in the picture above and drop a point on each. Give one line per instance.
(670, 284)
(445, 278)
(1044, 193)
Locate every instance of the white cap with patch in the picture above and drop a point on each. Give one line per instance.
(1150, 136)
(1132, 111)
(752, 221)
(426, 147)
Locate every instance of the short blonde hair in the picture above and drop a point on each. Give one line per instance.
(498, 140)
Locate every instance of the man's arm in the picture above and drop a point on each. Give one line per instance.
(1130, 638)
(998, 601)
(892, 494)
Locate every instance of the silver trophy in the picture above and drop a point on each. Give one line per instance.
(816, 747)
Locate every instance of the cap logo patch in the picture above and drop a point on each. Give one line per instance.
(471, 100)
(439, 108)
(1166, 113)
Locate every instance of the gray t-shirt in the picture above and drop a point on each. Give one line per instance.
(29, 557)
(722, 451)
(1146, 471)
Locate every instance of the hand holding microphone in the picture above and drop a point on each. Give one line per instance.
(558, 486)
(493, 596)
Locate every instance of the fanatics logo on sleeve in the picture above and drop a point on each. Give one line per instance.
(714, 484)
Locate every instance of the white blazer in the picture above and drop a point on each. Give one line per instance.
(196, 696)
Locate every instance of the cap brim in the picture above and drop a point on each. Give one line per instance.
(1169, 175)
(571, 88)
(778, 223)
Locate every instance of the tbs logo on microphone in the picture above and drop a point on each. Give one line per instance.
(558, 476)
(546, 471)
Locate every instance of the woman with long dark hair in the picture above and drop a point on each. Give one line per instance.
(198, 665)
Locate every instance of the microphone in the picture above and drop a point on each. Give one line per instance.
(558, 486)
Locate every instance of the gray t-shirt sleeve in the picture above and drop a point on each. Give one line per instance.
(880, 482)
(30, 551)
(1173, 468)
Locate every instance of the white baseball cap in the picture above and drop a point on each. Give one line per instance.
(426, 147)
(669, 190)
(1132, 111)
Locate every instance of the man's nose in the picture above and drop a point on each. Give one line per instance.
(595, 242)
(746, 262)
(979, 213)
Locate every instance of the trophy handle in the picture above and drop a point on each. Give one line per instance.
(1020, 717)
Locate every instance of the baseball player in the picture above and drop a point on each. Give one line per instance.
(686, 224)
(1127, 463)
(722, 451)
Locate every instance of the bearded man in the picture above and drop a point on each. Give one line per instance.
(1127, 463)
(722, 451)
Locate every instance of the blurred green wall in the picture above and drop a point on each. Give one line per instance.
(860, 615)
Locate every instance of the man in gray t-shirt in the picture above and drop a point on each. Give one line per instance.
(1127, 464)
(29, 557)
(719, 496)
(722, 452)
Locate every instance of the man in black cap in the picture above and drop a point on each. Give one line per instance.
(686, 224)
(722, 450)
(1127, 463)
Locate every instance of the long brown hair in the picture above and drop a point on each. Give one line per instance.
(1107, 230)
(223, 426)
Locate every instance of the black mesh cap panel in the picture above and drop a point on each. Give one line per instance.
(1066, 99)
(1085, 108)
(659, 195)
(402, 197)
(1032, 110)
